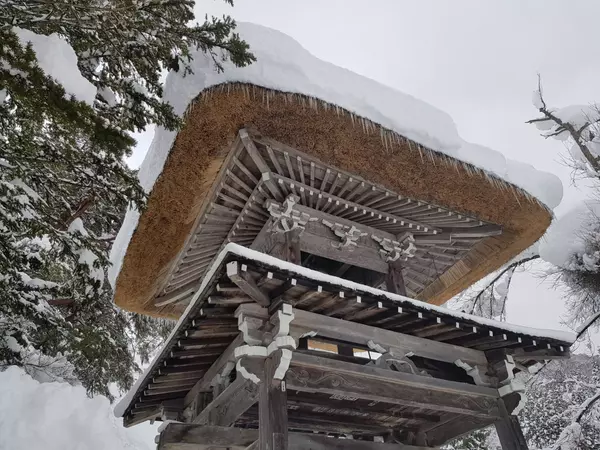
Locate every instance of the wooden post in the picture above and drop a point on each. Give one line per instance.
(395, 280)
(509, 431)
(292, 246)
(272, 411)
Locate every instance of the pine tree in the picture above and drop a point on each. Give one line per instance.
(64, 186)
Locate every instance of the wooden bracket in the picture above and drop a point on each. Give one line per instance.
(348, 235)
(392, 250)
(286, 217)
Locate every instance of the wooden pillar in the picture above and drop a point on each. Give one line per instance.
(509, 431)
(272, 411)
(394, 281)
(292, 246)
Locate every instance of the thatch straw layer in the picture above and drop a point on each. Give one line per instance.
(338, 138)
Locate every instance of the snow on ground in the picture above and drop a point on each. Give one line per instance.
(565, 238)
(58, 416)
(59, 61)
(283, 64)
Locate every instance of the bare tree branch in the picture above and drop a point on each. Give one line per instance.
(576, 134)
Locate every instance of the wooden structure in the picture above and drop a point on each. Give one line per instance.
(298, 284)
(329, 171)
(268, 351)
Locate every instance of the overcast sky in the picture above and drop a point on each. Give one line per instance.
(477, 60)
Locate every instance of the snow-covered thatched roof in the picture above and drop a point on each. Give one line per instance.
(406, 130)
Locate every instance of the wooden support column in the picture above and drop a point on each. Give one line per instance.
(292, 246)
(272, 411)
(394, 281)
(509, 430)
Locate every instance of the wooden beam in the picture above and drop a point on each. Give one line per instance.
(244, 281)
(319, 442)
(387, 217)
(326, 376)
(453, 426)
(510, 434)
(176, 295)
(363, 334)
(272, 409)
(179, 436)
(234, 401)
(204, 383)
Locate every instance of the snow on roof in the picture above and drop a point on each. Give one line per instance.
(314, 275)
(284, 65)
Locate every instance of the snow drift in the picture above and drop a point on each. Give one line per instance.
(58, 416)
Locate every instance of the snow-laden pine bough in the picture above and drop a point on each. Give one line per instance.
(303, 225)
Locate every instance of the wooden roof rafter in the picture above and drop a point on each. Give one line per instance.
(258, 169)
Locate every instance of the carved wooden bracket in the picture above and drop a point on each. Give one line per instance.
(348, 234)
(265, 339)
(395, 360)
(286, 217)
(396, 250)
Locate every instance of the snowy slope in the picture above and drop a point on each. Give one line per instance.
(58, 416)
(283, 64)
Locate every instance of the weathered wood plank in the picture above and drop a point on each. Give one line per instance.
(453, 426)
(395, 280)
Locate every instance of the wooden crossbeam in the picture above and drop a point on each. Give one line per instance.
(362, 334)
(308, 373)
(179, 436)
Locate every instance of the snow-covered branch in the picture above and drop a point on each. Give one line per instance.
(577, 123)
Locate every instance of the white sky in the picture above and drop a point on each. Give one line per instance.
(476, 60)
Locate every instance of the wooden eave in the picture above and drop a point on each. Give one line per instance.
(206, 336)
